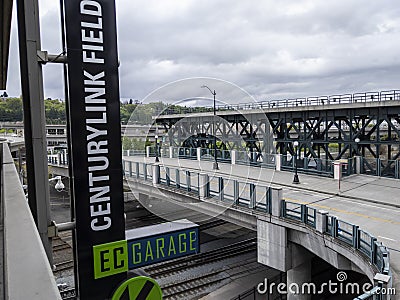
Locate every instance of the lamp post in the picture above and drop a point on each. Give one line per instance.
(357, 140)
(156, 137)
(215, 164)
(296, 177)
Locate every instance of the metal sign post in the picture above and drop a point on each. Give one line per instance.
(95, 139)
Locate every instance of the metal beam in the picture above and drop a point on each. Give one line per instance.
(5, 27)
(34, 118)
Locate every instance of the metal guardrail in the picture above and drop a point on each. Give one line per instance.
(306, 165)
(58, 159)
(392, 95)
(309, 165)
(373, 294)
(361, 240)
(242, 157)
(133, 152)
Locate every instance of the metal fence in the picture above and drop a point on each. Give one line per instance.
(308, 165)
(361, 240)
(392, 95)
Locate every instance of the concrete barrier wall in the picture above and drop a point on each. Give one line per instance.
(27, 272)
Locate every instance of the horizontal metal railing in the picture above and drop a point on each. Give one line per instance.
(58, 159)
(363, 241)
(308, 165)
(133, 152)
(392, 95)
(373, 294)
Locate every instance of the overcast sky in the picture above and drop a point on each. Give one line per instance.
(272, 49)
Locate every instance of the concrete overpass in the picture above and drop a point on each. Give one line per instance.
(365, 209)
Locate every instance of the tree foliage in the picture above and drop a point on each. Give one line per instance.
(132, 112)
(55, 111)
(10, 110)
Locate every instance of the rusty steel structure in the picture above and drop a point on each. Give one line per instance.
(326, 128)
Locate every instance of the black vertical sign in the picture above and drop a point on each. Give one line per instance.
(95, 136)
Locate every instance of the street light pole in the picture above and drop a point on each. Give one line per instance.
(357, 140)
(215, 164)
(156, 137)
(296, 177)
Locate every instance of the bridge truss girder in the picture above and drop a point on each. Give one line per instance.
(328, 134)
(233, 132)
(332, 134)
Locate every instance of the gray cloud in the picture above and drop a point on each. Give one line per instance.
(272, 49)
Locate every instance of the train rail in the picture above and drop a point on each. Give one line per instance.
(191, 286)
(182, 264)
(65, 265)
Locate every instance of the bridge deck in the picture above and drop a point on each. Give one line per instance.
(257, 109)
(373, 203)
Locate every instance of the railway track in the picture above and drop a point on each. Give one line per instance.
(182, 264)
(61, 247)
(192, 286)
(65, 265)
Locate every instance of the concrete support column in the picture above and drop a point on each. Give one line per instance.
(321, 221)
(198, 152)
(299, 274)
(276, 201)
(171, 152)
(233, 157)
(278, 162)
(296, 277)
(358, 164)
(147, 151)
(203, 186)
(156, 174)
(337, 170)
(273, 248)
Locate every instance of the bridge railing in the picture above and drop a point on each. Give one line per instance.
(308, 165)
(391, 95)
(58, 159)
(370, 166)
(363, 241)
(134, 152)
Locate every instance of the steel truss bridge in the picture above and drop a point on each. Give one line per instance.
(327, 128)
